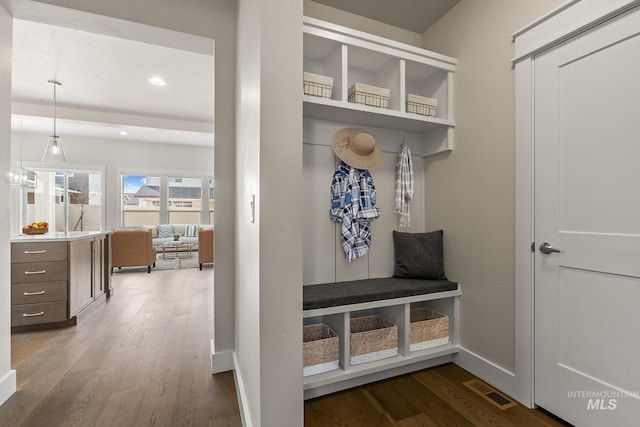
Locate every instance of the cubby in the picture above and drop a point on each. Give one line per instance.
(350, 56)
(396, 310)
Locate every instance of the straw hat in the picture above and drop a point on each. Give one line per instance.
(357, 148)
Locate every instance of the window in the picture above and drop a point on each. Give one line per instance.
(185, 200)
(67, 200)
(140, 200)
(162, 199)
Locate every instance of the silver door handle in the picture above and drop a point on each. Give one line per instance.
(547, 248)
(35, 252)
(28, 294)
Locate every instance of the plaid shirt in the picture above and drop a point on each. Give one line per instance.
(353, 199)
(404, 185)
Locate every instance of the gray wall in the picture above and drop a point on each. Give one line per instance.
(470, 192)
(340, 17)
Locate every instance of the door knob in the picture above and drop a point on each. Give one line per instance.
(547, 248)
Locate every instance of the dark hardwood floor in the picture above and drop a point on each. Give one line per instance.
(141, 359)
(431, 397)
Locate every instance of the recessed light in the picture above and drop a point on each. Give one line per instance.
(123, 133)
(157, 81)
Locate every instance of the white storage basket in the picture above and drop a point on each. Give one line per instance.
(318, 85)
(374, 96)
(422, 105)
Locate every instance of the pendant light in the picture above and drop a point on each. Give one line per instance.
(54, 152)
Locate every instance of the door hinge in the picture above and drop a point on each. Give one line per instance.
(533, 246)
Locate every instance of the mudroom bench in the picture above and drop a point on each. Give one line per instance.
(394, 299)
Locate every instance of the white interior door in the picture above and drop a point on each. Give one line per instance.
(587, 205)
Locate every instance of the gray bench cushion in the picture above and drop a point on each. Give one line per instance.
(358, 291)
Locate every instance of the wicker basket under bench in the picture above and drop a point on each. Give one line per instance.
(371, 319)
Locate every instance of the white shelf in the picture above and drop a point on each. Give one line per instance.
(350, 56)
(363, 115)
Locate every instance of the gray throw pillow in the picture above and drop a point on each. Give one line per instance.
(418, 255)
(165, 230)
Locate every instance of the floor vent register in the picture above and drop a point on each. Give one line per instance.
(488, 393)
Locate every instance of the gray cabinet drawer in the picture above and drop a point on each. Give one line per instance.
(30, 293)
(39, 272)
(33, 314)
(38, 251)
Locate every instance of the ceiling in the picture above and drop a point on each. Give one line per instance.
(412, 15)
(104, 78)
(105, 88)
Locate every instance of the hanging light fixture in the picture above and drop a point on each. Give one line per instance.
(54, 152)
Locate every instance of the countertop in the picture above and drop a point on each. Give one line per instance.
(57, 236)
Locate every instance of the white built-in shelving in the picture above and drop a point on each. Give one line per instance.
(351, 56)
(396, 310)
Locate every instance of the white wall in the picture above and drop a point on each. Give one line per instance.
(7, 376)
(470, 193)
(269, 167)
(118, 156)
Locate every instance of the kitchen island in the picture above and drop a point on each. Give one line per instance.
(57, 277)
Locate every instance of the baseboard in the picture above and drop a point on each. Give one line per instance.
(487, 371)
(242, 395)
(7, 386)
(221, 361)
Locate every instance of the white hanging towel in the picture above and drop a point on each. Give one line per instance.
(404, 185)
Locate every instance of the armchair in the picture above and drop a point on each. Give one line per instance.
(130, 248)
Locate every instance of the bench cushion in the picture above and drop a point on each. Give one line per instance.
(359, 291)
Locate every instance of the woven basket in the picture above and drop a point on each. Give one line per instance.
(372, 338)
(429, 328)
(320, 349)
(26, 230)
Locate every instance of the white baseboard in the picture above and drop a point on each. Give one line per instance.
(245, 415)
(222, 361)
(7, 385)
(487, 371)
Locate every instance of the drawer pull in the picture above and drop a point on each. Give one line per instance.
(28, 294)
(42, 251)
(36, 272)
(41, 313)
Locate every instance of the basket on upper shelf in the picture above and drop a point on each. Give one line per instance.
(317, 85)
(360, 93)
(422, 105)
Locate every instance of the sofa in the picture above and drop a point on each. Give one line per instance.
(132, 248)
(205, 246)
(164, 233)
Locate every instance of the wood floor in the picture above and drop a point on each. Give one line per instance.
(431, 397)
(141, 359)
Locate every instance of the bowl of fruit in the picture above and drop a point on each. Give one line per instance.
(39, 227)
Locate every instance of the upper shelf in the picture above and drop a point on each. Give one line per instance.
(347, 112)
(349, 56)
